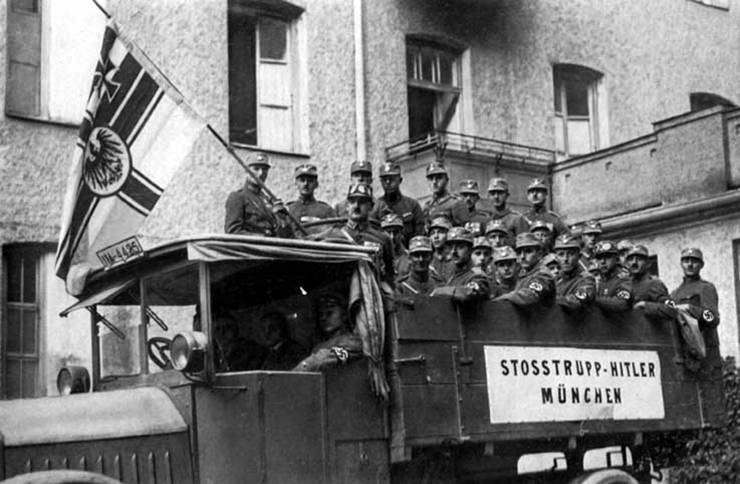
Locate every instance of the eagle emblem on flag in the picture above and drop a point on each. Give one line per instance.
(136, 131)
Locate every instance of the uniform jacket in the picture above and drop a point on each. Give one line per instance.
(411, 284)
(575, 290)
(305, 210)
(512, 220)
(405, 207)
(500, 287)
(614, 293)
(440, 267)
(247, 212)
(466, 284)
(547, 216)
(341, 347)
(701, 296)
(480, 218)
(449, 205)
(285, 357)
(658, 303)
(535, 286)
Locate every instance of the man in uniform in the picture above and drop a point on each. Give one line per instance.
(497, 233)
(481, 255)
(699, 298)
(393, 201)
(613, 293)
(359, 172)
(306, 208)
(552, 264)
(498, 191)
(576, 288)
(438, 229)
(543, 231)
(419, 280)
(650, 294)
(247, 210)
(535, 285)
(392, 225)
(357, 229)
(623, 247)
(589, 236)
(464, 284)
(477, 217)
(537, 196)
(504, 271)
(443, 202)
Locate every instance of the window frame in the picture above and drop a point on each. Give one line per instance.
(562, 74)
(295, 58)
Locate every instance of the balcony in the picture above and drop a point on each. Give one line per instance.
(470, 157)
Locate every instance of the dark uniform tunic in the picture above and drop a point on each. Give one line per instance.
(535, 286)
(658, 304)
(465, 284)
(614, 293)
(247, 212)
(364, 234)
(576, 289)
(284, 356)
(448, 205)
(401, 262)
(546, 216)
(412, 285)
(499, 287)
(441, 267)
(477, 220)
(341, 347)
(406, 208)
(310, 210)
(512, 220)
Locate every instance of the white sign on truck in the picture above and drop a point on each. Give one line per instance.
(560, 384)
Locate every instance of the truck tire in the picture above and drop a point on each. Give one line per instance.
(605, 476)
(61, 477)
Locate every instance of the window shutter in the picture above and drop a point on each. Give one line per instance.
(23, 86)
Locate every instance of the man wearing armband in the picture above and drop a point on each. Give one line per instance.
(464, 284)
(576, 288)
(535, 284)
(650, 294)
(613, 292)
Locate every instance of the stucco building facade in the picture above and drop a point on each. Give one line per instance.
(564, 90)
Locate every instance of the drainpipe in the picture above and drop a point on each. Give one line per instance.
(359, 83)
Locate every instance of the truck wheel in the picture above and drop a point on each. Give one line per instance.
(61, 477)
(605, 476)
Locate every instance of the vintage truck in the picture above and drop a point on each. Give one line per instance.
(479, 392)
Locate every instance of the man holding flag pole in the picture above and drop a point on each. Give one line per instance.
(136, 131)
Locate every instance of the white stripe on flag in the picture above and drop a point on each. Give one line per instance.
(100, 217)
(117, 52)
(164, 141)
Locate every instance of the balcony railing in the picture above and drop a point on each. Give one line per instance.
(475, 145)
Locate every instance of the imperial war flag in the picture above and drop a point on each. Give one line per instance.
(135, 133)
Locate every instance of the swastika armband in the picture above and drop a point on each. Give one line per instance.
(670, 303)
(581, 295)
(623, 294)
(474, 286)
(707, 316)
(341, 354)
(535, 286)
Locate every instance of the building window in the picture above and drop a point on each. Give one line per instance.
(580, 117)
(263, 76)
(21, 364)
(433, 74)
(706, 100)
(51, 56)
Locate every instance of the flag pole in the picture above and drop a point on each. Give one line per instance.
(215, 133)
(254, 177)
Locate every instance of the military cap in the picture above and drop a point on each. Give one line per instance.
(361, 166)
(391, 220)
(537, 184)
(527, 239)
(420, 243)
(567, 241)
(460, 234)
(540, 225)
(550, 259)
(640, 250)
(475, 228)
(692, 253)
(469, 186)
(360, 190)
(481, 241)
(260, 159)
(436, 168)
(592, 227)
(606, 247)
(390, 168)
(498, 184)
(306, 169)
(440, 223)
(496, 225)
(576, 230)
(503, 253)
(624, 245)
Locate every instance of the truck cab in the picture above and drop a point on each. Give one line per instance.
(444, 391)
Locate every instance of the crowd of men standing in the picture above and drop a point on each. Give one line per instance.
(470, 248)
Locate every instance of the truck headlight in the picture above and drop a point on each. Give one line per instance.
(188, 351)
(73, 379)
